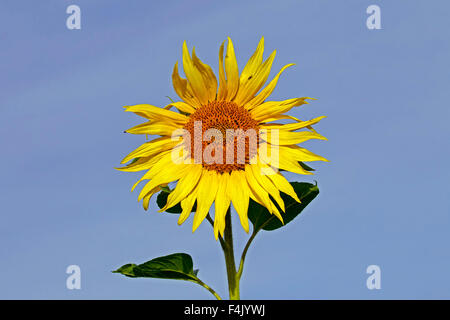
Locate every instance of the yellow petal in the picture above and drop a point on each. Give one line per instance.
(283, 161)
(164, 171)
(256, 82)
(261, 196)
(267, 91)
(254, 75)
(280, 182)
(266, 183)
(207, 189)
(194, 77)
(209, 79)
(253, 63)
(183, 88)
(161, 128)
(151, 148)
(184, 186)
(292, 126)
(300, 154)
(222, 203)
(182, 106)
(222, 93)
(232, 71)
(160, 180)
(289, 137)
(154, 113)
(238, 191)
(187, 205)
(270, 108)
(276, 117)
(291, 165)
(143, 163)
(146, 200)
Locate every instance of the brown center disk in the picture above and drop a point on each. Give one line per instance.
(223, 115)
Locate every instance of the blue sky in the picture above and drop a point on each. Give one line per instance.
(384, 196)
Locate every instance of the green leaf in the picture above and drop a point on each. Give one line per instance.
(177, 266)
(262, 219)
(161, 200)
(127, 270)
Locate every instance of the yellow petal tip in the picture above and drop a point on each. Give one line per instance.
(195, 226)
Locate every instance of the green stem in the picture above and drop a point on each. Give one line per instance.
(244, 253)
(204, 285)
(233, 280)
(249, 242)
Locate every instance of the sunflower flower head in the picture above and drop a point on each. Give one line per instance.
(223, 146)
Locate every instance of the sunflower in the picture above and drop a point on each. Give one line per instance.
(209, 109)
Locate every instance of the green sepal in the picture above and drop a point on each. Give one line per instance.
(305, 166)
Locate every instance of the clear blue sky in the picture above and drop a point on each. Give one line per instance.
(384, 196)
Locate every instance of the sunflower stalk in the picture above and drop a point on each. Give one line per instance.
(232, 275)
